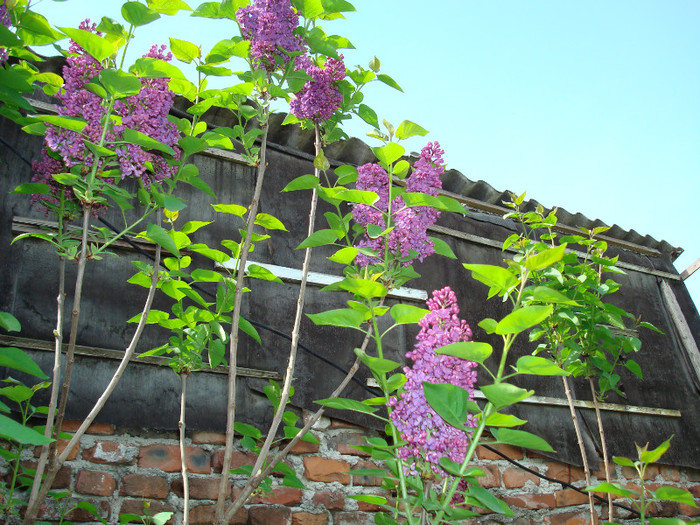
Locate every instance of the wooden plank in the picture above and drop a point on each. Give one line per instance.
(293, 275)
(681, 324)
(556, 401)
(690, 270)
(108, 353)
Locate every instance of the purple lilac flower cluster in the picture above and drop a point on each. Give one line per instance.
(146, 112)
(269, 26)
(428, 437)
(410, 224)
(6, 20)
(320, 97)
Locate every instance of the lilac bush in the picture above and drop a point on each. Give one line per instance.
(408, 239)
(428, 437)
(146, 112)
(269, 26)
(6, 20)
(320, 97)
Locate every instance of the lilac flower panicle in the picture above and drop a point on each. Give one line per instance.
(410, 224)
(428, 437)
(6, 20)
(146, 112)
(320, 97)
(269, 26)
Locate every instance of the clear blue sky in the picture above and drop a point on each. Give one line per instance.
(590, 105)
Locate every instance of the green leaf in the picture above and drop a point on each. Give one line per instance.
(184, 51)
(347, 404)
(96, 46)
(539, 366)
(309, 9)
(174, 204)
(409, 129)
(149, 67)
(504, 420)
(376, 364)
(206, 276)
(269, 222)
(520, 438)
(159, 236)
(305, 182)
(344, 255)
(493, 276)
(362, 287)
(119, 83)
(449, 401)
(211, 253)
(676, 494)
(442, 248)
(193, 226)
(11, 429)
(154, 317)
(70, 123)
(469, 350)
(138, 14)
(233, 209)
(668, 521)
(244, 429)
(11, 357)
(368, 498)
(161, 518)
(504, 394)
(367, 114)
(488, 325)
(258, 272)
(141, 139)
(246, 327)
(318, 238)
(9, 322)
(168, 7)
(407, 313)
(546, 258)
(489, 501)
(625, 462)
(652, 456)
(389, 153)
(522, 319)
(611, 488)
(544, 294)
(389, 82)
(321, 162)
(346, 317)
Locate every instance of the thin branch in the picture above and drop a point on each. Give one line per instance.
(233, 345)
(603, 444)
(33, 507)
(53, 401)
(582, 448)
(183, 455)
(289, 374)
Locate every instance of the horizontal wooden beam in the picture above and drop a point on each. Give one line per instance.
(108, 353)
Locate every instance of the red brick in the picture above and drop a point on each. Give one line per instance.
(50, 511)
(563, 472)
(531, 501)
(687, 510)
(269, 516)
(368, 507)
(326, 470)
(693, 474)
(60, 447)
(287, 496)
(330, 500)
(366, 481)
(305, 447)
(136, 506)
(238, 459)
(95, 483)
(694, 490)
(353, 518)
(345, 442)
(599, 473)
(570, 497)
(515, 478)
(306, 518)
(200, 488)
(204, 515)
(569, 518)
(100, 429)
(208, 438)
(492, 478)
(144, 486)
(669, 473)
(62, 479)
(650, 473)
(509, 450)
(112, 453)
(337, 423)
(167, 458)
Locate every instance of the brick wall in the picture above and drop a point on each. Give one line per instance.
(118, 470)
